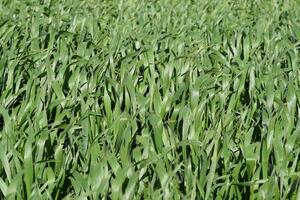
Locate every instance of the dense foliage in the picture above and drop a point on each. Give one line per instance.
(145, 99)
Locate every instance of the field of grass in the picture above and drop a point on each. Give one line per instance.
(149, 99)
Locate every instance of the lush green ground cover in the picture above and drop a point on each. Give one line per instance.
(161, 99)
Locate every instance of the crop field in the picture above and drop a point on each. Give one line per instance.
(149, 99)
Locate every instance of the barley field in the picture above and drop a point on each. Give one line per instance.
(149, 99)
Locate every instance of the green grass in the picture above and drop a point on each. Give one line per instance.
(140, 99)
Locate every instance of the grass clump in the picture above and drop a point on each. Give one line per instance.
(145, 99)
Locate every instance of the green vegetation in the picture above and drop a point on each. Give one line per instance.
(144, 99)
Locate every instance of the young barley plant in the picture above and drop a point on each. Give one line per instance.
(144, 99)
